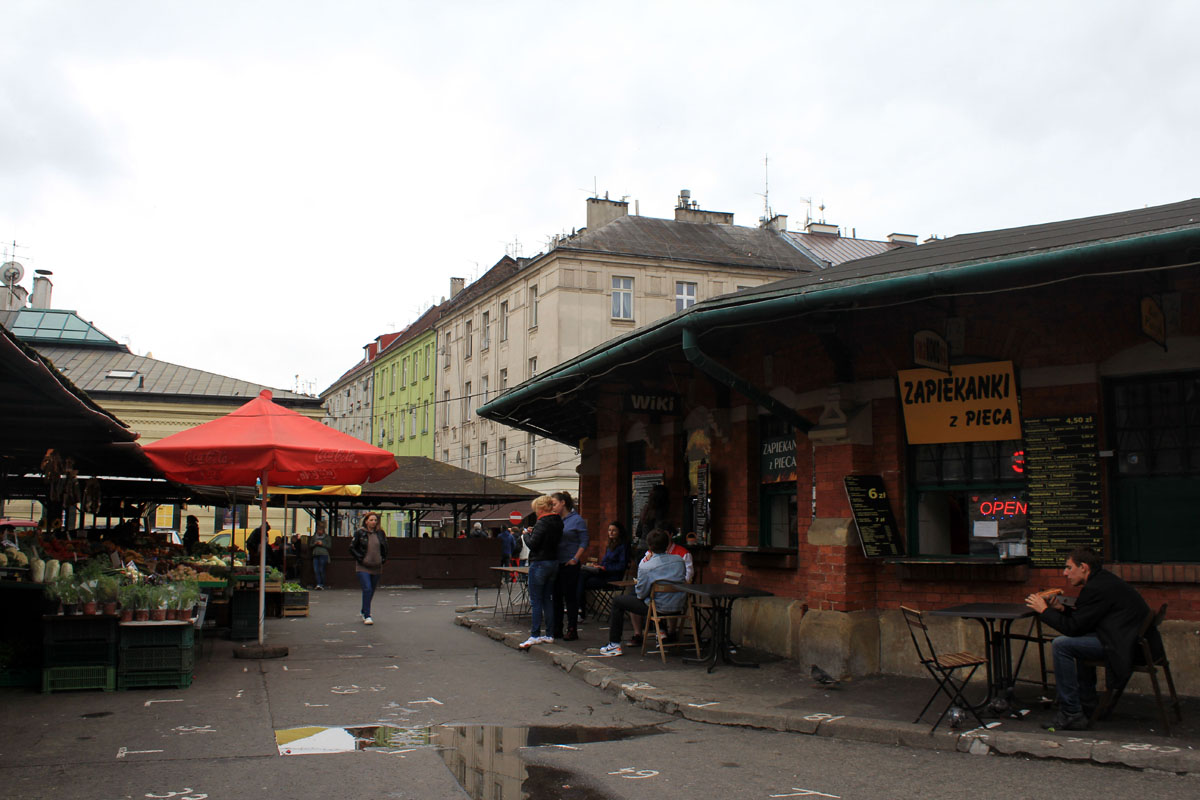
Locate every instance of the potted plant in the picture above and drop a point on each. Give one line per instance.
(68, 593)
(159, 599)
(87, 596)
(189, 595)
(53, 591)
(141, 602)
(106, 593)
(127, 597)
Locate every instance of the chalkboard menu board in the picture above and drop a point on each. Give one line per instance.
(643, 482)
(873, 516)
(1062, 469)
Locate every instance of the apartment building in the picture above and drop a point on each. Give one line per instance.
(619, 273)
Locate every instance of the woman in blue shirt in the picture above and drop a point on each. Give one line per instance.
(571, 548)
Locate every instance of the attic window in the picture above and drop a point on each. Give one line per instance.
(125, 374)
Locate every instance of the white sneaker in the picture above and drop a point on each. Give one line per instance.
(545, 640)
(368, 621)
(530, 642)
(611, 649)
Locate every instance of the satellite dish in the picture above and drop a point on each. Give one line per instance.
(12, 272)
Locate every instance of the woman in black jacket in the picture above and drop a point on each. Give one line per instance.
(542, 541)
(369, 548)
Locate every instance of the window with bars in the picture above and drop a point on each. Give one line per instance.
(1156, 425)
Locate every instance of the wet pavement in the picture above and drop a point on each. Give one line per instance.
(782, 695)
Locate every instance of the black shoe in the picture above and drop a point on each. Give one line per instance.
(571, 635)
(636, 640)
(1067, 721)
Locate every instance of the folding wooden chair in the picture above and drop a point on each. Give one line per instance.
(660, 620)
(942, 668)
(1144, 661)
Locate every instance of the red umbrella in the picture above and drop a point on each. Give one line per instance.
(262, 441)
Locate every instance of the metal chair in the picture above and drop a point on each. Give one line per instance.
(660, 620)
(1149, 664)
(942, 668)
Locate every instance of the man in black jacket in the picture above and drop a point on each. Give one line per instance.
(1103, 624)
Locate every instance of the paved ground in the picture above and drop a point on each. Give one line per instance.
(436, 708)
(780, 695)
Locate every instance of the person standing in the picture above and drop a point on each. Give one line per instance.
(542, 541)
(369, 548)
(320, 544)
(1103, 624)
(191, 533)
(508, 547)
(571, 548)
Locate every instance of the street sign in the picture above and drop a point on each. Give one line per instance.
(515, 518)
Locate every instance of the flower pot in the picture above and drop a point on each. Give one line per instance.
(141, 614)
(158, 614)
(89, 607)
(126, 615)
(71, 608)
(110, 608)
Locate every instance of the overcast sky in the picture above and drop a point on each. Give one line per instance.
(260, 188)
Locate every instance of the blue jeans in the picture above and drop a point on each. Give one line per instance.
(368, 582)
(1076, 684)
(319, 564)
(541, 594)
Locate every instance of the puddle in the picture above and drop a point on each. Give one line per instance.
(484, 759)
(96, 715)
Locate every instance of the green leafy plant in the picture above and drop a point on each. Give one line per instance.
(292, 586)
(107, 589)
(128, 595)
(274, 574)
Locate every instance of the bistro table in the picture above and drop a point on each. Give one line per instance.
(512, 594)
(721, 597)
(997, 620)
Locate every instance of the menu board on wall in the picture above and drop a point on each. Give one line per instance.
(1062, 469)
(873, 516)
(643, 482)
(701, 509)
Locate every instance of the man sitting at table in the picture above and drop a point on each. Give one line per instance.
(661, 566)
(1103, 624)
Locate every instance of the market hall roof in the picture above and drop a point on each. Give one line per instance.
(556, 403)
(41, 409)
(98, 364)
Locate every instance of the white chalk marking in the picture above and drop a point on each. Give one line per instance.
(148, 702)
(705, 705)
(806, 793)
(317, 705)
(427, 700)
(123, 751)
(634, 773)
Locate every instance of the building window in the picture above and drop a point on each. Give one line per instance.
(416, 359)
(483, 387)
(446, 349)
(533, 366)
(446, 409)
(485, 331)
(622, 298)
(504, 321)
(503, 452)
(685, 295)
(532, 457)
(403, 372)
(468, 336)
(778, 523)
(446, 456)
(426, 361)
(466, 456)
(425, 419)
(483, 458)
(393, 379)
(391, 426)
(466, 401)
(412, 419)
(533, 306)
(504, 379)
(399, 429)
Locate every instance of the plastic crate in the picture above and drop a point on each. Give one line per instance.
(151, 634)
(61, 679)
(80, 654)
(143, 659)
(79, 628)
(165, 677)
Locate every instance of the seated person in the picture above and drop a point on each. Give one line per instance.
(677, 550)
(660, 566)
(1103, 624)
(612, 565)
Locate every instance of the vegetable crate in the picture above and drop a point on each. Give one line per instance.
(80, 654)
(58, 679)
(160, 678)
(295, 604)
(156, 659)
(147, 634)
(59, 629)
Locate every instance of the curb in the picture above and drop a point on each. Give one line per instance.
(1164, 758)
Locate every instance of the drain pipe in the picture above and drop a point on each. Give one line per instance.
(701, 361)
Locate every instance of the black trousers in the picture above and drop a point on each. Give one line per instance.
(566, 593)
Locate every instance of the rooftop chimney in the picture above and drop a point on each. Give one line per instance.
(688, 210)
(41, 289)
(902, 238)
(821, 227)
(601, 211)
(776, 223)
(456, 285)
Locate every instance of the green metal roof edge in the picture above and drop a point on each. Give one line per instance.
(794, 300)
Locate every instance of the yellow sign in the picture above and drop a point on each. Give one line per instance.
(974, 403)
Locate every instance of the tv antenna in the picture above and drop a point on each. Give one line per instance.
(766, 192)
